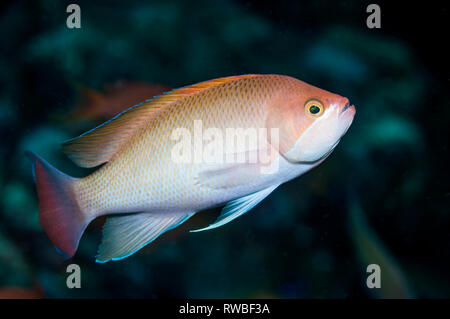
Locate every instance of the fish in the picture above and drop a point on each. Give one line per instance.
(17, 292)
(153, 177)
(115, 98)
(371, 250)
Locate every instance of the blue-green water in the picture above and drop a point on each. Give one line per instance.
(381, 197)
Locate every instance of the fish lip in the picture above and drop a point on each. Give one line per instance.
(345, 107)
(348, 109)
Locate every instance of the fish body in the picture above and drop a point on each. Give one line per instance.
(15, 292)
(296, 125)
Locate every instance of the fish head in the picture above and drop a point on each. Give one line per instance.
(311, 122)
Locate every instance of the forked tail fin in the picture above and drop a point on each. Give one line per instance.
(59, 212)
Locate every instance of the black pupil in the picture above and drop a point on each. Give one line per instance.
(314, 109)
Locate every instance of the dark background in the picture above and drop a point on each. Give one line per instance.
(382, 197)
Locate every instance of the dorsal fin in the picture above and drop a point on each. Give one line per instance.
(98, 145)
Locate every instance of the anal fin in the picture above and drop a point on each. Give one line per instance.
(238, 207)
(126, 234)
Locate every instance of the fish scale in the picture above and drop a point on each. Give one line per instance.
(146, 161)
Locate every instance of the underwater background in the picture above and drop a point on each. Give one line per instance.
(381, 198)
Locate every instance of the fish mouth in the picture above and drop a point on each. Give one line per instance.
(345, 107)
(348, 109)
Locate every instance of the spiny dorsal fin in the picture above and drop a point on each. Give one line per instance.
(98, 145)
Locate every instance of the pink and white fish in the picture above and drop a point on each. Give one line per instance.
(145, 192)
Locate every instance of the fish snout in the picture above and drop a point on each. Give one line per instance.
(346, 115)
(348, 109)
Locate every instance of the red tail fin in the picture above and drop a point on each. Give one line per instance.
(59, 212)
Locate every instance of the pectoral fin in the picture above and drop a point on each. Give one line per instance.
(228, 175)
(126, 234)
(239, 207)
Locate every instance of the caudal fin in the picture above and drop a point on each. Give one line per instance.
(59, 212)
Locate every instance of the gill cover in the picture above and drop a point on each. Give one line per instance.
(319, 138)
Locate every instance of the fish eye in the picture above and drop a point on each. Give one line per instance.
(314, 108)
